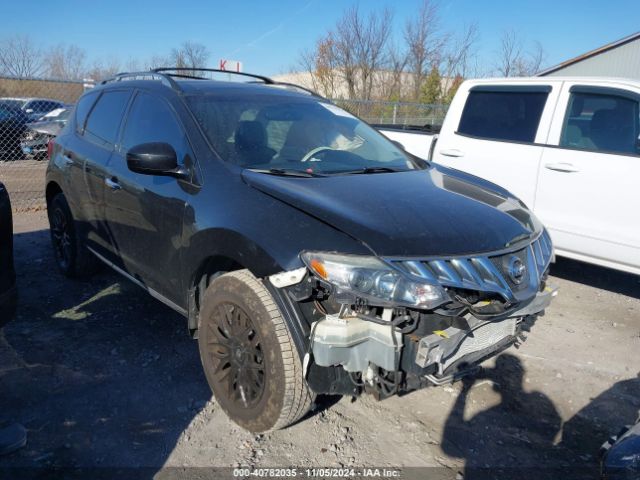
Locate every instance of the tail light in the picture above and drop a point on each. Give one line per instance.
(50, 147)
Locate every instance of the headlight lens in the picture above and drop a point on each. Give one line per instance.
(372, 279)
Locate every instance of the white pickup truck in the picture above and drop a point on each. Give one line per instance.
(567, 147)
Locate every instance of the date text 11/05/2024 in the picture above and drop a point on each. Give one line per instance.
(318, 472)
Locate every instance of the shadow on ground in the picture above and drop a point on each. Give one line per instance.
(523, 436)
(597, 277)
(99, 372)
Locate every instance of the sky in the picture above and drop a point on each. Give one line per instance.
(267, 36)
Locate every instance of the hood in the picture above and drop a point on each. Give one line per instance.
(432, 212)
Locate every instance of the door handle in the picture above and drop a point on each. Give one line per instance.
(561, 167)
(453, 152)
(113, 184)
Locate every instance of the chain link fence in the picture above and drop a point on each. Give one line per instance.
(32, 111)
(395, 113)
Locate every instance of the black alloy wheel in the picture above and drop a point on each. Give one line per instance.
(236, 354)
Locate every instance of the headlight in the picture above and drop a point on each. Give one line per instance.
(372, 279)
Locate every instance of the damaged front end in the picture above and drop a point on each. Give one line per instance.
(393, 325)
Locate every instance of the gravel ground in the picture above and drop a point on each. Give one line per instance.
(102, 375)
(24, 180)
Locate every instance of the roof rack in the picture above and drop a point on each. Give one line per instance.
(167, 74)
(150, 75)
(267, 80)
(216, 70)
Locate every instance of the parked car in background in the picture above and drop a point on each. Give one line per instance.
(8, 292)
(309, 254)
(12, 127)
(569, 148)
(35, 140)
(34, 108)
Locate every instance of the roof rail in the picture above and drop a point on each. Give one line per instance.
(150, 75)
(167, 74)
(216, 70)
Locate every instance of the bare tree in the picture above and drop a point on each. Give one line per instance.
(391, 84)
(513, 61)
(20, 57)
(361, 48)
(321, 64)
(66, 62)
(102, 69)
(424, 42)
(190, 55)
(535, 60)
(456, 57)
(510, 53)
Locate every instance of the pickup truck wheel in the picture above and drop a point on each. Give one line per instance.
(72, 256)
(248, 355)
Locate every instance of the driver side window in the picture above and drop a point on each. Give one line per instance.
(152, 120)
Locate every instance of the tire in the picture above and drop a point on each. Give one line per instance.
(72, 256)
(248, 355)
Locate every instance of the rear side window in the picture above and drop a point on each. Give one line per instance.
(503, 115)
(602, 122)
(105, 117)
(82, 109)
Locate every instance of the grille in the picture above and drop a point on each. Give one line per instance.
(486, 273)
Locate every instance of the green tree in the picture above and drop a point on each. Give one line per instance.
(455, 84)
(431, 90)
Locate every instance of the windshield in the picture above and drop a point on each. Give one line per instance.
(291, 134)
(13, 103)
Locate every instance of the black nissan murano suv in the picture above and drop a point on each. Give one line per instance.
(309, 254)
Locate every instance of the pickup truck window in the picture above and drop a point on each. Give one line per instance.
(503, 115)
(601, 122)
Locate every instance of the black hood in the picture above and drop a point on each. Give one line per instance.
(421, 213)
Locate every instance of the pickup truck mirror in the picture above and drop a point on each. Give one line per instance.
(155, 159)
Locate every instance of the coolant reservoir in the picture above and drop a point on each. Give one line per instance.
(354, 343)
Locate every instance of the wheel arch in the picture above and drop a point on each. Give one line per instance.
(52, 189)
(214, 252)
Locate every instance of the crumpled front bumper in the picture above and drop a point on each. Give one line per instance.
(453, 351)
(355, 343)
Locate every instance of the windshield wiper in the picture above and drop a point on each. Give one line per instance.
(286, 172)
(367, 170)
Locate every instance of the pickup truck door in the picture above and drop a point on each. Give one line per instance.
(588, 193)
(496, 132)
(145, 213)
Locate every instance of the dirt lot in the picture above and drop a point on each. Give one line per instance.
(102, 375)
(24, 180)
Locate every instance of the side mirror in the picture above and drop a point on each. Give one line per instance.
(29, 110)
(155, 159)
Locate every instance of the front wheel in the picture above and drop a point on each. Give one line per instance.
(248, 355)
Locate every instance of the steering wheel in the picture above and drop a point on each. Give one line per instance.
(314, 151)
